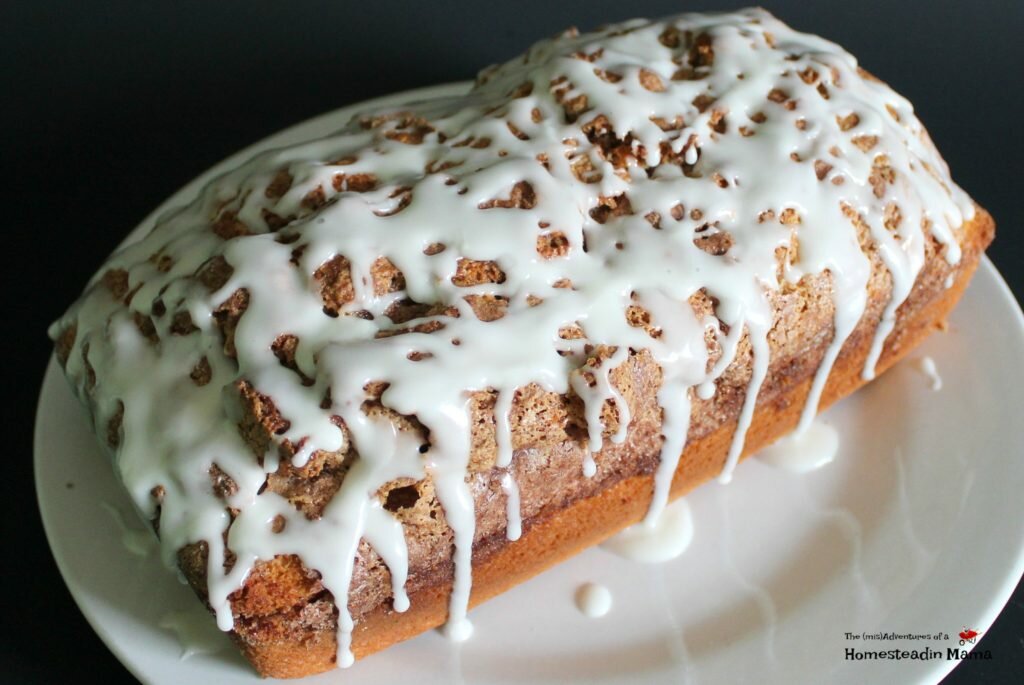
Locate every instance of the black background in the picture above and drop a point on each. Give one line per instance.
(108, 108)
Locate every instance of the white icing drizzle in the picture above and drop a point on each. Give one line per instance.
(386, 536)
(593, 600)
(503, 429)
(514, 528)
(928, 368)
(594, 387)
(849, 292)
(454, 495)
(685, 368)
(759, 340)
(728, 123)
(805, 450)
(653, 543)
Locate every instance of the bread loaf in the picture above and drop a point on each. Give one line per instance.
(363, 383)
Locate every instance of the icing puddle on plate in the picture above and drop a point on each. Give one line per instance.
(928, 368)
(593, 600)
(655, 541)
(195, 632)
(803, 450)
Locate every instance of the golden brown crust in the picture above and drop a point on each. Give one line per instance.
(300, 640)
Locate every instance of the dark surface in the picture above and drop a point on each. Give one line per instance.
(108, 108)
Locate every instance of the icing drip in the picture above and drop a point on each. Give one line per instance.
(904, 261)
(667, 538)
(849, 296)
(803, 450)
(759, 341)
(682, 368)
(340, 302)
(503, 429)
(514, 528)
(458, 506)
(927, 366)
(593, 600)
(593, 385)
(386, 536)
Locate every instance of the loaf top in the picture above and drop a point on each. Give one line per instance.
(569, 208)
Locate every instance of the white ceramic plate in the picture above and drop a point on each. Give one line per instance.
(916, 527)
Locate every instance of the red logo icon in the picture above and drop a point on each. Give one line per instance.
(968, 635)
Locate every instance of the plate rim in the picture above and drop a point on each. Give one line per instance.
(1013, 577)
